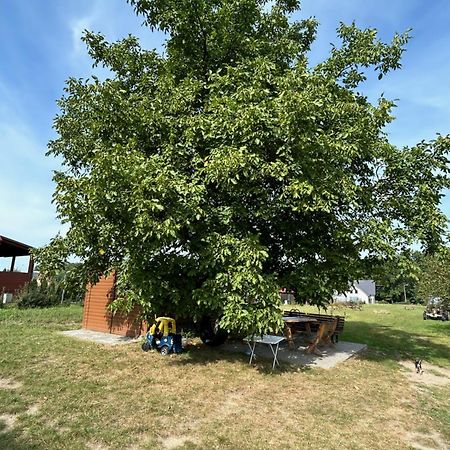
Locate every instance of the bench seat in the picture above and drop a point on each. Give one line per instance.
(321, 318)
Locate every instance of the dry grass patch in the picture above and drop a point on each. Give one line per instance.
(7, 383)
(427, 441)
(92, 396)
(432, 375)
(7, 422)
(96, 446)
(33, 409)
(174, 442)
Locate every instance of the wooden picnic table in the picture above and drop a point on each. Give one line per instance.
(289, 324)
(324, 336)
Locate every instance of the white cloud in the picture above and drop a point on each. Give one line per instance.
(115, 19)
(26, 213)
(21, 147)
(26, 187)
(77, 28)
(97, 18)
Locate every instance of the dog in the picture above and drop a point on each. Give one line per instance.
(418, 364)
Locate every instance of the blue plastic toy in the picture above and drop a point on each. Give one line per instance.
(163, 336)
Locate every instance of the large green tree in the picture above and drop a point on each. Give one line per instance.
(397, 278)
(227, 166)
(434, 277)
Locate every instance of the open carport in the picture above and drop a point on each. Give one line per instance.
(12, 280)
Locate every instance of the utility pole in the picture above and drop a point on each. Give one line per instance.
(64, 289)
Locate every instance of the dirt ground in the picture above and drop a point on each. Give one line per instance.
(431, 375)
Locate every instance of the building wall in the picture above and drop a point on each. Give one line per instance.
(362, 292)
(97, 317)
(287, 298)
(12, 282)
(356, 295)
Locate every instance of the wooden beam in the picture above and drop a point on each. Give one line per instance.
(30, 267)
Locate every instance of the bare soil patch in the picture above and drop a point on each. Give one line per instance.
(8, 421)
(33, 409)
(174, 442)
(430, 441)
(96, 446)
(432, 375)
(7, 383)
(382, 312)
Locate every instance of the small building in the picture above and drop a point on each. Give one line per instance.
(287, 296)
(361, 292)
(11, 279)
(98, 317)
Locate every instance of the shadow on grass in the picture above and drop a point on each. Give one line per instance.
(392, 343)
(386, 343)
(11, 439)
(204, 355)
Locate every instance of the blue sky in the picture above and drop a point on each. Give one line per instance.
(40, 48)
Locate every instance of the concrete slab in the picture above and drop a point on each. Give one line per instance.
(99, 337)
(329, 359)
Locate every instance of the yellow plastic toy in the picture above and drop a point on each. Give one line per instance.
(163, 336)
(164, 324)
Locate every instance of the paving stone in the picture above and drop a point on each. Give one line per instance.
(329, 359)
(99, 337)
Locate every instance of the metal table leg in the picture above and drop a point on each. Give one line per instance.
(252, 349)
(275, 353)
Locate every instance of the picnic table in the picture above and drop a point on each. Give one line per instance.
(324, 336)
(289, 324)
(321, 318)
(272, 341)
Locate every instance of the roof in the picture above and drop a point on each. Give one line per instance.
(367, 286)
(10, 247)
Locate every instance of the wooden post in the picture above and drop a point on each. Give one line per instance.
(12, 264)
(30, 268)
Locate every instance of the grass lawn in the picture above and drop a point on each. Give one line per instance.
(57, 392)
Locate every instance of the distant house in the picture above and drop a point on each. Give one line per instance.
(11, 279)
(361, 292)
(287, 297)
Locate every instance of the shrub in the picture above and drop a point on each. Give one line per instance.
(38, 295)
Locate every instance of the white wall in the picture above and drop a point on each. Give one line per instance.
(355, 295)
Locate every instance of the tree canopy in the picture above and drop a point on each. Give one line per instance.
(226, 167)
(434, 278)
(397, 278)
